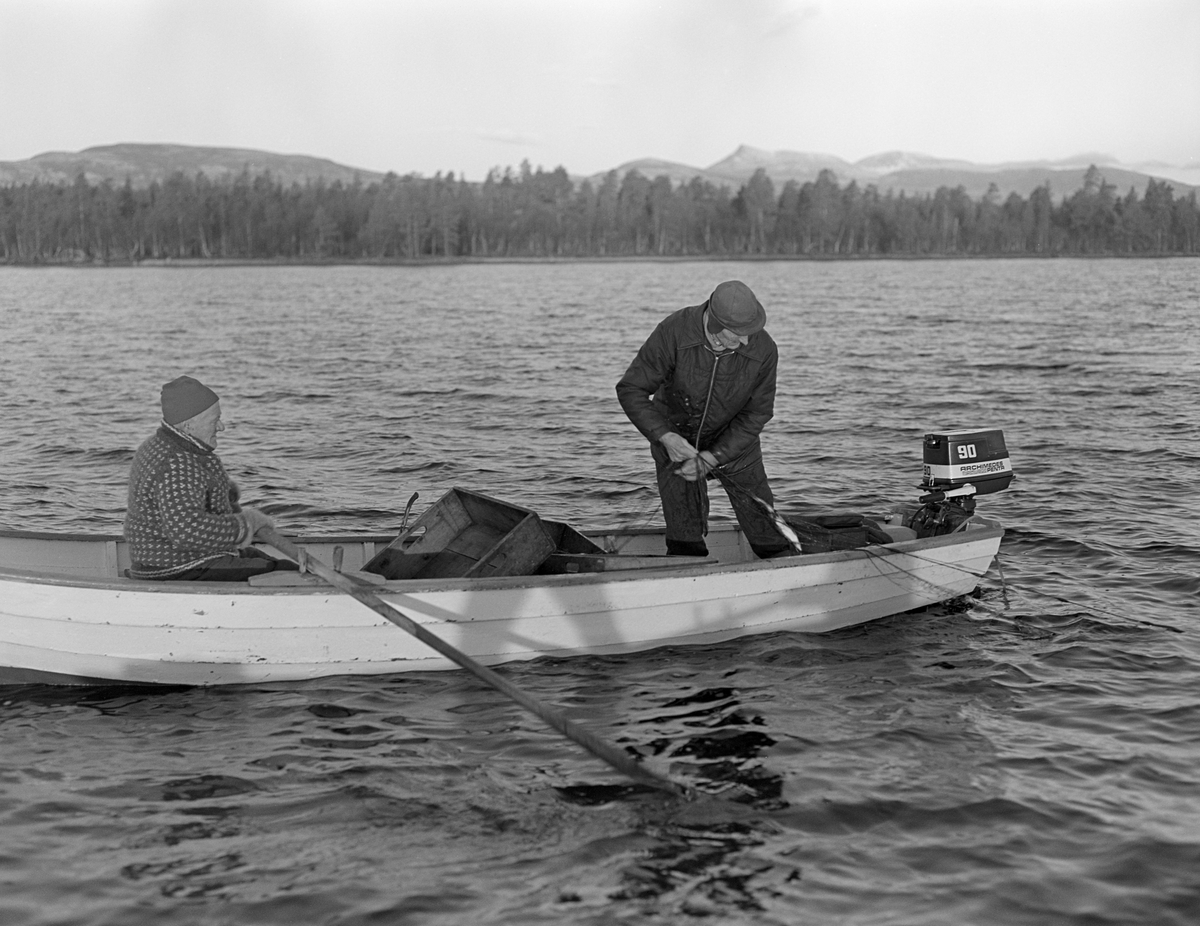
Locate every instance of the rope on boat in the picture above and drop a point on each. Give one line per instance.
(642, 520)
(777, 518)
(1004, 586)
(1003, 581)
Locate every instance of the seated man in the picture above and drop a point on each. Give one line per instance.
(183, 520)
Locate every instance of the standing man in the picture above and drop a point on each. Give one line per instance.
(183, 520)
(701, 389)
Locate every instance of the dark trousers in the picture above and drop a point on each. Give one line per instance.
(248, 562)
(685, 505)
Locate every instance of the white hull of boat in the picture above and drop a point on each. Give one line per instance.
(70, 619)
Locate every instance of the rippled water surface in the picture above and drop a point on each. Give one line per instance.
(1027, 757)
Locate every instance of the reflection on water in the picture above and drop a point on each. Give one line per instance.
(691, 858)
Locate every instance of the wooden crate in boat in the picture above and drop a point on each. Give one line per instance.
(568, 540)
(466, 535)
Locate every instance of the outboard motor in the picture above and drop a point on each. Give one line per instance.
(958, 465)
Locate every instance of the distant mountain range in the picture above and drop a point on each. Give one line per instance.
(921, 173)
(894, 170)
(144, 164)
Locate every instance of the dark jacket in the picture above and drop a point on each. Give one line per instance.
(180, 511)
(670, 380)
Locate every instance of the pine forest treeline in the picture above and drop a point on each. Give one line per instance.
(535, 213)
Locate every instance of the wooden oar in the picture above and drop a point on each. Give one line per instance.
(598, 747)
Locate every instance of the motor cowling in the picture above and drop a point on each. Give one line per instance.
(977, 458)
(957, 466)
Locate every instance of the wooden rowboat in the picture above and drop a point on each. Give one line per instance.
(69, 616)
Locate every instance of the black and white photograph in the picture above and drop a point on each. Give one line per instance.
(597, 462)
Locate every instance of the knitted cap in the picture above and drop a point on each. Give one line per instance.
(185, 398)
(735, 307)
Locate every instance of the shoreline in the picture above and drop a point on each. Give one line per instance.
(217, 262)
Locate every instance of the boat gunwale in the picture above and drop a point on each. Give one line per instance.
(356, 537)
(981, 529)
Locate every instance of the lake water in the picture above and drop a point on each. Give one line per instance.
(1030, 759)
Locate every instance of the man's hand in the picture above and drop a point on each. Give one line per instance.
(695, 465)
(698, 466)
(256, 521)
(678, 449)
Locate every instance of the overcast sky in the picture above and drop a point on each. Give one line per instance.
(466, 85)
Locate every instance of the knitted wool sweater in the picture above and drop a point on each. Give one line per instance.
(179, 512)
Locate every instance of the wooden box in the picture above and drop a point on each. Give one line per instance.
(466, 535)
(568, 540)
